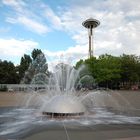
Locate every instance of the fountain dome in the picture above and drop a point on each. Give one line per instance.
(64, 105)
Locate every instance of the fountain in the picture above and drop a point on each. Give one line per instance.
(61, 105)
(63, 99)
(64, 105)
(56, 102)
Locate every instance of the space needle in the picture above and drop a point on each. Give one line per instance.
(90, 24)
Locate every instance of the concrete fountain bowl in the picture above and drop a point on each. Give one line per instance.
(64, 106)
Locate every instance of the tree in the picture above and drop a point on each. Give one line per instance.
(24, 64)
(8, 73)
(109, 68)
(37, 71)
(35, 53)
(87, 73)
(105, 70)
(79, 63)
(130, 73)
(91, 63)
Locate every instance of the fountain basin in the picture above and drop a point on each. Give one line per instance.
(64, 105)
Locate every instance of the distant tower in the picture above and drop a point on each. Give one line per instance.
(90, 24)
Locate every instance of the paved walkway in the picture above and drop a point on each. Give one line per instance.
(130, 138)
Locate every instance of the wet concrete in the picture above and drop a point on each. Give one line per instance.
(98, 132)
(86, 134)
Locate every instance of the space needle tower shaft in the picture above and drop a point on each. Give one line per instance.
(90, 24)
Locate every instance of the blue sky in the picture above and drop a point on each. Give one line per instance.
(54, 26)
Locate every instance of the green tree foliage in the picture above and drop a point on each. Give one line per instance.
(91, 64)
(31, 66)
(86, 73)
(35, 53)
(8, 73)
(109, 68)
(79, 63)
(130, 67)
(24, 64)
(37, 71)
(105, 70)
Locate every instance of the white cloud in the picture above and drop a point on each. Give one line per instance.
(11, 20)
(15, 4)
(119, 30)
(49, 14)
(71, 51)
(23, 15)
(118, 33)
(69, 56)
(10, 48)
(32, 25)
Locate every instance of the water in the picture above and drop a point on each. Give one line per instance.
(63, 97)
(21, 122)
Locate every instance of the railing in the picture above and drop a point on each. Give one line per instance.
(22, 87)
